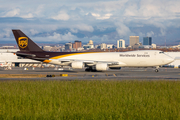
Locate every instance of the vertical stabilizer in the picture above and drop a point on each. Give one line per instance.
(24, 42)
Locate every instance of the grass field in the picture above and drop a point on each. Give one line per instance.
(128, 100)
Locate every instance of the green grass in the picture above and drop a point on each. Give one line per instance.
(133, 100)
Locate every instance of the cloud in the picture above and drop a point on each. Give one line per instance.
(104, 38)
(12, 13)
(101, 17)
(74, 30)
(108, 6)
(162, 32)
(150, 34)
(39, 9)
(100, 20)
(131, 10)
(122, 29)
(84, 27)
(30, 15)
(33, 32)
(59, 37)
(61, 16)
(5, 33)
(147, 9)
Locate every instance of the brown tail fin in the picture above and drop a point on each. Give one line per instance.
(24, 42)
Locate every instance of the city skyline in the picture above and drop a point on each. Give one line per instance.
(83, 43)
(101, 21)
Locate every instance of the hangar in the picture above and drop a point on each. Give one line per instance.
(8, 59)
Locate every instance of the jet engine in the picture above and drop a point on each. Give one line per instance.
(77, 65)
(101, 66)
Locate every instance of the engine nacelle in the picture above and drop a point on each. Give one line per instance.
(77, 65)
(101, 66)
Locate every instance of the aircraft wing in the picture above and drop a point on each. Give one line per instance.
(90, 62)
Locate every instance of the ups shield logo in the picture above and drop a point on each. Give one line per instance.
(23, 42)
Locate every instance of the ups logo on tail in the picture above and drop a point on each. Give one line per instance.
(23, 42)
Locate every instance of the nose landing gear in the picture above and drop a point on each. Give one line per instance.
(157, 69)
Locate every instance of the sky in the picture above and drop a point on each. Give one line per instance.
(103, 21)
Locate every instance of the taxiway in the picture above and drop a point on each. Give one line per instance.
(123, 74)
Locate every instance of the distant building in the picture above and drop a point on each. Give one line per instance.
(147, 40)
(77, 44)
(73, 50)
(80, 49)
(133, 40)
(103, 46)
(114, 46)
(97, 47)
(62, 49)
(56, 49)
(121, 43)
(87, 47)
(68, 46)
(137, 46)
(46, 48)
(176, 46)
(7, 47)
(147, 46)
(109, 46)
(153, 46)
(90, 42)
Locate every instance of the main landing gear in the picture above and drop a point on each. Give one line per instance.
(90, 69)
(157, 69)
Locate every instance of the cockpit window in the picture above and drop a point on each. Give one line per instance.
(161, 52)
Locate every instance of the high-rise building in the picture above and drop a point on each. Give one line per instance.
(77, 44)
(147, 40)
(133, 40)
(121, 43)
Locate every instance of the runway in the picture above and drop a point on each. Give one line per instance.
(123, 74)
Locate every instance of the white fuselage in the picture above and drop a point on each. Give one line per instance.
(131, 58)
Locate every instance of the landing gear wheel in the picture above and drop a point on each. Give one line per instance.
(87, 70)
(156, 70)
(93, 70)
(90, 69)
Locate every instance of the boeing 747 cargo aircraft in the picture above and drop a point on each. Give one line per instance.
(92, 61)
